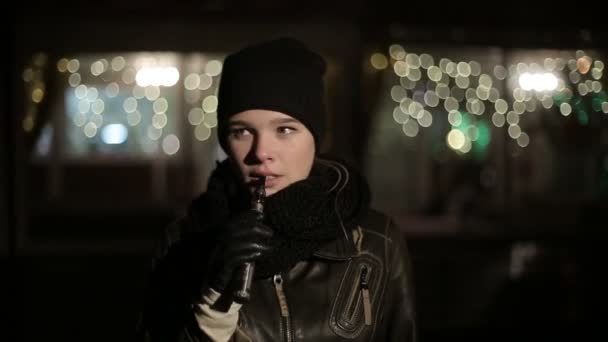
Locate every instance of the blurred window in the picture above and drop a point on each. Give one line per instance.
(132, 106)
(470, 131)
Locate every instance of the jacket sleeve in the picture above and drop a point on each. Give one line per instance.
(400, 307)
(174, 282)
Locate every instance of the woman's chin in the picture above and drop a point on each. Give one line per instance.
(270, 192)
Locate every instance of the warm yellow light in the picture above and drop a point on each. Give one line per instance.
(160, 105)
(130, 105)
(154, 133)
(538, 82)
(455, 139)
(523, 140)
(464, 69)
(454, 118)
(426, 119)
(133, 118)
(62, 65)
(98, 106)
(90, 130)
(565, 109)
(379, 61)
(399, 116)
(92, 94)
(401, 68)
(118, 63)
(583, 64)
(213, 68)
(202, 132)
(205, 82)
(159, 120)
(514, 131)
(210, 120)
(498, 119)
(37, 95)
(426, 60)
(171, 144)
(73, 65)
(28, 123)
(152, 92)
(196, 116)
(192, 81)
(398, 93)
(434, 73)
(210, 104)
(396, 51)
(157, 76)
(410, 128)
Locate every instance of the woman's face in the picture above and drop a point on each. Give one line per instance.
(271, 144)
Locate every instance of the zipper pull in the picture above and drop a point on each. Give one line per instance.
(278, 286)
(367, 306)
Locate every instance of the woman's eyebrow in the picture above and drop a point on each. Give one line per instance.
(284, 121)
(238, 123)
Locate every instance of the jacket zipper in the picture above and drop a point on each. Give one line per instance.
(285, 320)
(367, 306)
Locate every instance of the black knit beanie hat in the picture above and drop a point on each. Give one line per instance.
(281, 75)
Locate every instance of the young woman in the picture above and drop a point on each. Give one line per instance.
(326, 267)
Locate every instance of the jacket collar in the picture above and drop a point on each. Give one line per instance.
(342, 248)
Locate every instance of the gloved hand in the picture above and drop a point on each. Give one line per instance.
(244, 239)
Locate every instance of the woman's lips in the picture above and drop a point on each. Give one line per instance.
(271, 180)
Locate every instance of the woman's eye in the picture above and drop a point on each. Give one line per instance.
(238, 132)
(286, 130)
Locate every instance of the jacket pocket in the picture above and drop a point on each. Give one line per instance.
(356, 305)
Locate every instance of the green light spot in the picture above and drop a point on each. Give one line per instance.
(583, 117)
(484, 134)
(596, 103)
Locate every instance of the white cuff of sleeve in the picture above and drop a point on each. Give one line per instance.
(218, 325)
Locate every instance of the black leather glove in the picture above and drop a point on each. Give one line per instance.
(244, 239)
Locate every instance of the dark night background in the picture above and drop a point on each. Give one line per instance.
(506, 244)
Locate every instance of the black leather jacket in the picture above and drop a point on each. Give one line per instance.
(358, 288)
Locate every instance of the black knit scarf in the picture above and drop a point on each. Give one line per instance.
(304, 216)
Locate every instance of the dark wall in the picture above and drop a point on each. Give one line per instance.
(6, 95)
